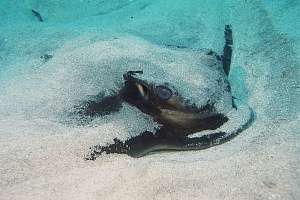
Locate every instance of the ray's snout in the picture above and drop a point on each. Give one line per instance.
(129, 74)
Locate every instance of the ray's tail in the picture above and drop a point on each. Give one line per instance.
(219, 137)
(153, 143)
(227, 51)
(148, 142)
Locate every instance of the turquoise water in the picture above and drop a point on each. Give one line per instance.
(265, 33)
(34, 94)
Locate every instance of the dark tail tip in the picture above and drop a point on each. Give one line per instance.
(227, 51)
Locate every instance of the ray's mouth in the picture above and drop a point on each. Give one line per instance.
(146, 91)
(138, 89)
(139, 93)
(143, 91)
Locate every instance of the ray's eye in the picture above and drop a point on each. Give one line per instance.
(163, 92)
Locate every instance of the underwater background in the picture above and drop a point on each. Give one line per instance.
(41, 156)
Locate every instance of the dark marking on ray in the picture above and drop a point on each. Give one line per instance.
(104, 106)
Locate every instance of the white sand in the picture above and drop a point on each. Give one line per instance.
(41, 157)
(262, 163)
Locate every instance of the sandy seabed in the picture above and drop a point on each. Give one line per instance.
(41, 156)
(39, 166)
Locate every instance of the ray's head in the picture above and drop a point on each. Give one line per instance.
(167, 106)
